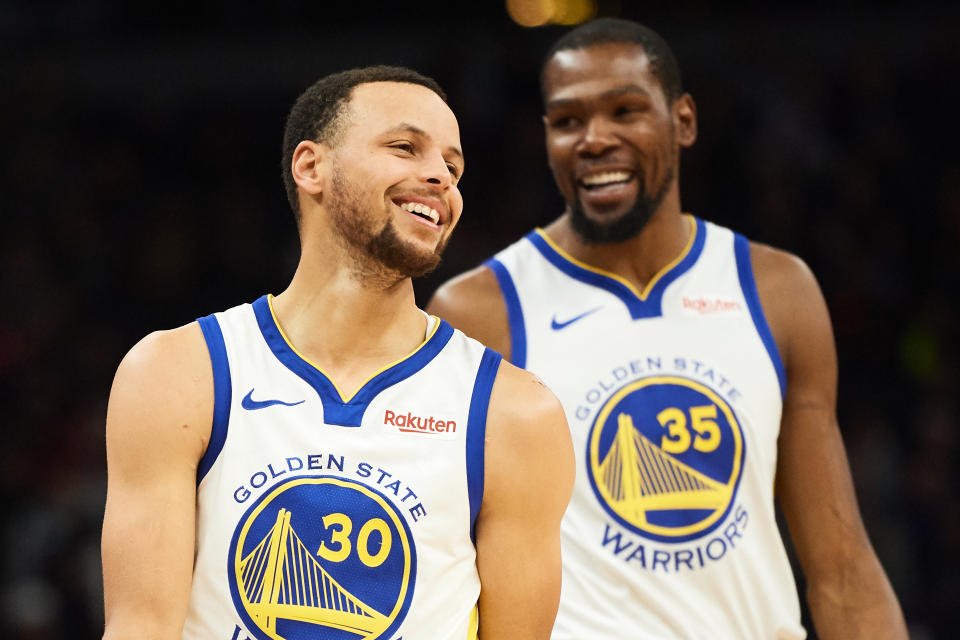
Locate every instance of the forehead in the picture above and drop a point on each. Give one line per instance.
(584, 73)
(376, 107)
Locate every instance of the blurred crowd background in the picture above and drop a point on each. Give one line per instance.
(140, 188)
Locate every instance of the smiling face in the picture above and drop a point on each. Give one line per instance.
(612, 138)
(392, 192)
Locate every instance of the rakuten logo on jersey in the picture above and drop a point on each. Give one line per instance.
(705, 306)
(410, 423)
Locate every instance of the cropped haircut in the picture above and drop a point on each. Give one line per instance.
(663, 64)
(317, 114)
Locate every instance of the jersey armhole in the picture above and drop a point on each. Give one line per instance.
(749, 287)
(518, 332)
(477, 430)
(222, 393)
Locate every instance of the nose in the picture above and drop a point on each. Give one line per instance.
(598, 137)
(435, 171)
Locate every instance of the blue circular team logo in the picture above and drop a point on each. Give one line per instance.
(321, 557)
(665, 455)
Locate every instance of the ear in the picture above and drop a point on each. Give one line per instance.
(308, 167)
(685, 120)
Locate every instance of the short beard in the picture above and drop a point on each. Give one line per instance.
(380, 255)
(628, 225)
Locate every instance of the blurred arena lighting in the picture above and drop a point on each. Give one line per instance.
(535, 13)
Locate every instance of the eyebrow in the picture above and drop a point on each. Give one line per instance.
(410, 128)
(616, 92)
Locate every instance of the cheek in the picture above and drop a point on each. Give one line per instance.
(665, 157)
(456, 206)
(558, 157)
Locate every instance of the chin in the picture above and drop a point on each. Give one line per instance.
(609, 228)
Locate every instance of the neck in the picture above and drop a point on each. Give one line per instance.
(637, 259)
(348, 326)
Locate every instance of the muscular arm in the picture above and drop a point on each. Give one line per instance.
(847, 591)
(158, 424)
(527, 484)
(473, 303)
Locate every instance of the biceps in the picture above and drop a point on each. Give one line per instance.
(519, 568)
(147, 549)
(821, 507)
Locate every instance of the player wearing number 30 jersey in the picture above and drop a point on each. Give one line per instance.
(332, 463)
(320, 516)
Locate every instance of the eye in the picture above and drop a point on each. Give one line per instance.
(406, 147)
(629, 109)
(563, 122)
(454, 171)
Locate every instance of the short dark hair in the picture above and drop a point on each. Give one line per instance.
(603, 30)
(316, 115)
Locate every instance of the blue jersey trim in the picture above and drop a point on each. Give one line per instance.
(741, 248)
(222, 392)
(647, 307)
(477, 430)
(335, 410)
(518, 330)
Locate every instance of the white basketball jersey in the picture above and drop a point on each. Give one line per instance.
(673, 396)
(322, 516)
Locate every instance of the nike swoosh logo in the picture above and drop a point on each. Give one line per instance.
(556, 326)
(250, 404)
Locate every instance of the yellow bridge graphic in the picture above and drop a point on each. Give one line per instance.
(638, 476)
(281, 579)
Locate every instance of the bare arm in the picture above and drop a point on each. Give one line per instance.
(158, 424)
(847, 591)
(473, 303)
(527, 484)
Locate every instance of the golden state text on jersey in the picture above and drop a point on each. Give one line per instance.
(322, 557)
(665, 455)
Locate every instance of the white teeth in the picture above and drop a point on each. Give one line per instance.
(422, 209)
(606, 177)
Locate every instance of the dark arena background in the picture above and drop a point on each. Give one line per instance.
(140, 188)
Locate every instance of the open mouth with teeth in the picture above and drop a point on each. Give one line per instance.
(606, 179)
(422, 211)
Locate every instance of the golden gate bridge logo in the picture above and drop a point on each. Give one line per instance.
(665, 455)
(351, 579)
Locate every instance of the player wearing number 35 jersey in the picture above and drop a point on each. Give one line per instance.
(696, 369)
(674, 406)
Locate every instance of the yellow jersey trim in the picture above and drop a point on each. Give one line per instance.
(642, 295)
(346, 399)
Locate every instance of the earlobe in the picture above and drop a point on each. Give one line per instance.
(306, 167)
(685, 114)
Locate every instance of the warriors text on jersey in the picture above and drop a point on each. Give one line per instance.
(332, 517)
(674, 396)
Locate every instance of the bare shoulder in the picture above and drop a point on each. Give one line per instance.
(776, 270)
(162, 395)
(523, 392)
(792, 301)
(172, 363)
(525, 416)
(473, 303)
(528, 446)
